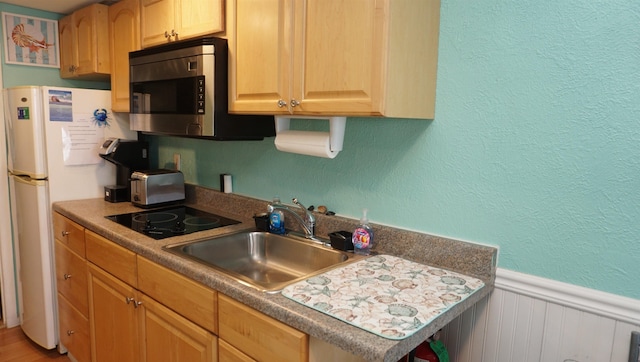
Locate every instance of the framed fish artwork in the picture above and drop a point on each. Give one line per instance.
(30, 41)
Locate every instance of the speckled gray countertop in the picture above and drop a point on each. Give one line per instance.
(467, 258)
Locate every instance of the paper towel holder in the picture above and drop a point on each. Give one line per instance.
(336, 130)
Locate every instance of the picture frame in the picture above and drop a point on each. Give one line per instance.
(30, 40)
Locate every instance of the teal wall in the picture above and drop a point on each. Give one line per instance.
(15, 75)
(535, 146)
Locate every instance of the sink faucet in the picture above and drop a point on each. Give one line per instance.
(308, 223)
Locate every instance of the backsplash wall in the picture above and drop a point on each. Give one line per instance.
(534, 146)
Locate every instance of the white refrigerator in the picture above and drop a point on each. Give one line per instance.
(53, 136)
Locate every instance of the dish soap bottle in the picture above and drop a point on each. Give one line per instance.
(363, 236)
(276, 219)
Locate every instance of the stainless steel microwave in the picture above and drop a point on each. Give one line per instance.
(181, 89)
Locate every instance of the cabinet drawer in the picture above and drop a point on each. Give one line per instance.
(69, 233)
(228, 353)
(259, 336)
(112, 257)
(74, 330)
(71, 277)
(190, 299)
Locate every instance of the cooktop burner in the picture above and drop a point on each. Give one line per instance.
(171, 221)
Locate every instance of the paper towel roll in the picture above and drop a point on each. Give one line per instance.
(305, 142)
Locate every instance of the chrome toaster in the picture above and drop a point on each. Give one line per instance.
(156, 187)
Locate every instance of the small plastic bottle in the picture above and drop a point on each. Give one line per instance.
(363, 236)
(276, 219)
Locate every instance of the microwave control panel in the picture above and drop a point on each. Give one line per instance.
(200, 94)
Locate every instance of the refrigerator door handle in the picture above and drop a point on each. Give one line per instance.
(8, 121)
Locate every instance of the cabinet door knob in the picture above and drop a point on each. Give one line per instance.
(174, 33)
(67, 276)
(130, 300)
(70, 332)
(281, 103)
(294, 103)
(65, 233)
(166, 34)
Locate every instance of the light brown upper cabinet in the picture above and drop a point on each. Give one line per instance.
(163, 21)
(124, 37)
(84, 44)
(333, 57)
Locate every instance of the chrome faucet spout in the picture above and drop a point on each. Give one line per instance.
(308, 224)
(308, 215)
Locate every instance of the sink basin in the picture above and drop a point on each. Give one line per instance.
(262, 260)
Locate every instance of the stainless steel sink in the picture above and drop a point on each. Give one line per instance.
(262, 260)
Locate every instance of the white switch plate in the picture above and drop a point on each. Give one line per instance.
(176, 161)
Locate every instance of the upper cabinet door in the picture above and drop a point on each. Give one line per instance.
(124, 37)
(156, 18)
(338, 56)
(84, 44)
(164, 21)
(334, 57)
(84, 22)
(196, 17)
(260, 45)
(67, 56)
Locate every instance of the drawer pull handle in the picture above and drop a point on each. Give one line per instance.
(67, 276)
(65, 233)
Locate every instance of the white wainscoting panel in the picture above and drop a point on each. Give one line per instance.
(532, 319)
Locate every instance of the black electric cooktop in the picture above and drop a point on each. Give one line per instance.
(171, 221)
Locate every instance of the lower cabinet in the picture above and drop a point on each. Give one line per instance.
(112, 316)
(228, 353)
(174, 338)
(71, 281)
(116, 305)
(128, 325)
(74, 330)
(259, 336)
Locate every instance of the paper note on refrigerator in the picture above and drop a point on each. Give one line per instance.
(81, 140)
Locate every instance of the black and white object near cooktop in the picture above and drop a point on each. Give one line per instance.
(171, 221)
